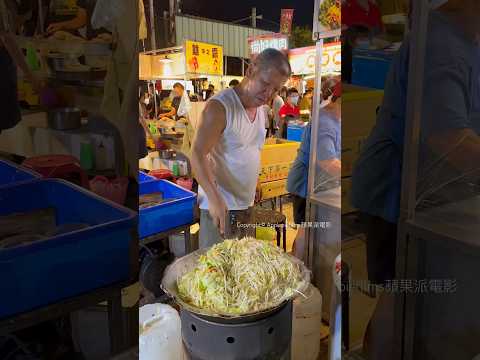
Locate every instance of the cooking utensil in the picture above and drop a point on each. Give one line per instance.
(190, 261)
(64, 119)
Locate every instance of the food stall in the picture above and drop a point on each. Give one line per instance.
(203, 296)
(61, 145)
(302, 61)
(192, 65)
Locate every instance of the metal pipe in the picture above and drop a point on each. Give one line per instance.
(153, 40)
(41, 19)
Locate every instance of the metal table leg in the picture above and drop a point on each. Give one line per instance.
(278, 236)
(115, 322)
(284, 230)
(188, 242)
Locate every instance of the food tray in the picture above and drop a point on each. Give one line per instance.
(167, 215)
(50, 270)
(188, 263)
(11, 173)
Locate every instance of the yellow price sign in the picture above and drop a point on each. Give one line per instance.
(203, 58)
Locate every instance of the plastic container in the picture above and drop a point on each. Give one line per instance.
(161, 174)
(11, 173)
(370, 68)
(142, 177)
(160, 334)
(168, 215)
(114, 190)
(185, 183)
(295, 132)
(66, 265)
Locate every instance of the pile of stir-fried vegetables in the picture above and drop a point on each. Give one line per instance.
(240, 276)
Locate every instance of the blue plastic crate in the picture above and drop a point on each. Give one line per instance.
(168, 215)
(11, 173)
(295, 132)
(46, 271)
(370, 68)
(142, 177)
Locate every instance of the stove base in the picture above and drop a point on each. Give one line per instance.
(265, 339)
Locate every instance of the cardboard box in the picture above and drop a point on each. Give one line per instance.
(346, 193)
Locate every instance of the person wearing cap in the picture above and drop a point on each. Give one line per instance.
(449, 147)
(328, 155)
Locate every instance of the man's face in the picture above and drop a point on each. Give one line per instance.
(293, 99)
(178, 91)
(262, 85)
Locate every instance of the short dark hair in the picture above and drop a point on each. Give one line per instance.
(292, 91)
(211, 86)
(177, 84)
(234, 82)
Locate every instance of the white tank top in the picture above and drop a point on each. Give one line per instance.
(235, 159)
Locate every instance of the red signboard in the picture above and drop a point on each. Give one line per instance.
(286, 19)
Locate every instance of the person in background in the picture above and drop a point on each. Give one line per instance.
(66, 15)
(306, 102)
(449, 149)
(227, 146)
(11, 58)
(283, 93)
(360, 18)
(268, 117)
(277, 104)
(178, 90)
(328, 156)
(149, 99)
(289, 110)
(233, 83)
(72, 16)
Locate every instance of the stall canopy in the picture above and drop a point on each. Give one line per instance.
(191, 60)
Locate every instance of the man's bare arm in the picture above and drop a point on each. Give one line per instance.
(209, 131)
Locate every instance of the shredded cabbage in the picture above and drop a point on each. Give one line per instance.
(240, 276)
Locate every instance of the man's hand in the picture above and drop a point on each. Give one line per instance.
(218, 212)
(53, 28)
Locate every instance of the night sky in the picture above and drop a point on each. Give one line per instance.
(229, 10)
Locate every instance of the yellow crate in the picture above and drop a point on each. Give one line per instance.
(346, 192)
(273, 189)
(274, 172)
(359, 107)
(279, 151)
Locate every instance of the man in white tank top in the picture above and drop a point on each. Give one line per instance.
(227, 145)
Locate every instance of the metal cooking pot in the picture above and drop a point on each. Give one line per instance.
(64, 119)
(188, 262)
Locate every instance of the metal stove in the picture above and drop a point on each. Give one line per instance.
(261, 337)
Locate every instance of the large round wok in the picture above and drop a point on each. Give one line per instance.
(188, 262)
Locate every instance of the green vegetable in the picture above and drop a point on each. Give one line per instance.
(240, 276)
